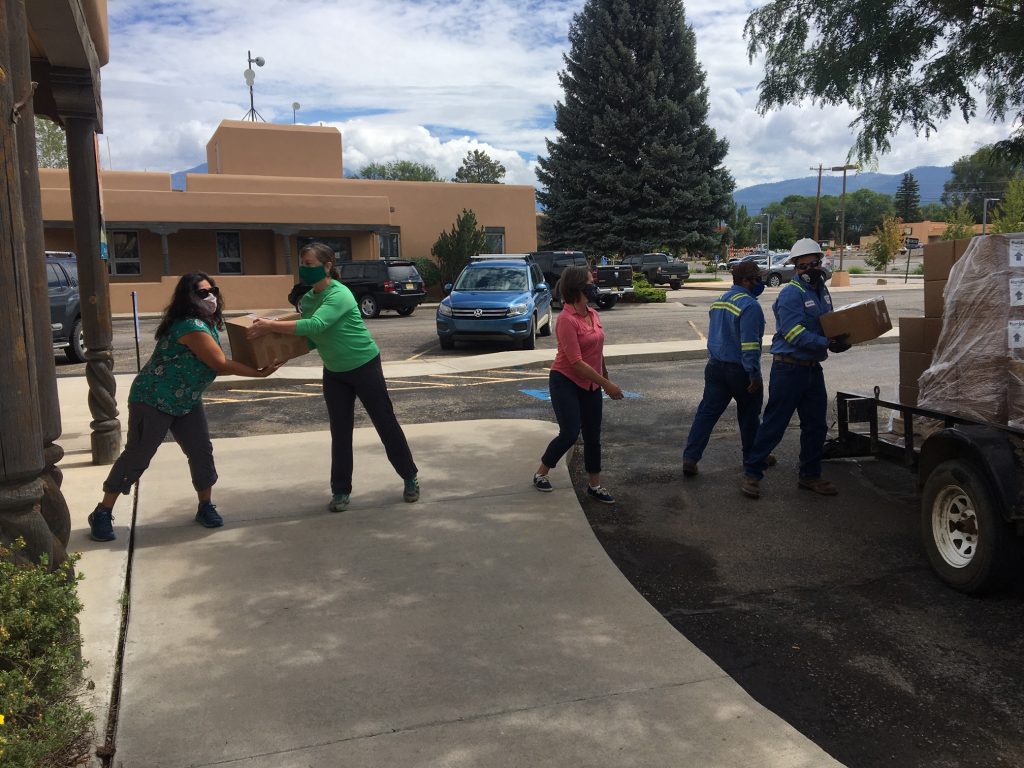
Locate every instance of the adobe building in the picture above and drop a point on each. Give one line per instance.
(269, 190)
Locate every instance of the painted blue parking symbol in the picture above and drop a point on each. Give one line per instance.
(543, 394)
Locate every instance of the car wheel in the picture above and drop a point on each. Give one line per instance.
(368, 306)
(967, 542)
(607, 302)
(75, 351)
(530, 342)
(675, 285)
(775, 280)
(545, 330)
(446, 342)
(406, 311)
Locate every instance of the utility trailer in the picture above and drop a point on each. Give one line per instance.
(971, 478)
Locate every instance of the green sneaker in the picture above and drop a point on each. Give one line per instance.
(339, 502)
(412, 490)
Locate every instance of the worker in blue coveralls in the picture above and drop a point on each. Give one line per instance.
(733, 370)
(797, 381)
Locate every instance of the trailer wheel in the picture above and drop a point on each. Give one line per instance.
(967, 542)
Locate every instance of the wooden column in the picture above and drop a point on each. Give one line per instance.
(21, 432)
(54, 508)
(76, 96)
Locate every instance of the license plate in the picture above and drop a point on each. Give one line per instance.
(409, 286)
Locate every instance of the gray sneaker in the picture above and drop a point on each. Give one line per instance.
(412, 490)
(339, 502)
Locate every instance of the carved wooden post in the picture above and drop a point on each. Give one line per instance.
(75, 98)
(21, 434)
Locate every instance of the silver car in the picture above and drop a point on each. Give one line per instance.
(779, 269)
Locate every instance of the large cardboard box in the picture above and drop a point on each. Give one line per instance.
(912, 365)
(862, 321)
(261, 352)
(919, 334)
(933, 303)
(939, 259)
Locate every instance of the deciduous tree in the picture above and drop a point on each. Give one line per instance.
(400, 170)
(51, 144)
(959, 224)
(888, 241)
(985, 173)
(897, 63)
(478, 168)
(635, 163)
(1009, 214)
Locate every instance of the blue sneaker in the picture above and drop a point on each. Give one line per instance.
(412, 490)
(339, 502)
(101, 526)
(207, 515)
(600, 493)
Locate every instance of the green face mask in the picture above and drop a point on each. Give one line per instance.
(312, 275)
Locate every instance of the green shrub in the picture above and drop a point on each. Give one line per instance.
(856, 270)
(42, 724)
(917, 270)
(428, 271)
(644, 292)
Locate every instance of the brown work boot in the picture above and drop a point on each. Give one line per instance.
(690, 468)
(751, 487)
(818, 485)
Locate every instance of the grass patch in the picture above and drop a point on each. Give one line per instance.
(856, 270)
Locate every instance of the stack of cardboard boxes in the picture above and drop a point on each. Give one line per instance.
(973, 371)
(920, 335)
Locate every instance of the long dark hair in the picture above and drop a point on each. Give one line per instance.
(324, 253)
(185, 303)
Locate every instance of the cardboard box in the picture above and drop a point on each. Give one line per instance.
(908, 394)
(933, 302)
(261, 352)
(919, 334)
(912, 365)
(862, 321)
(939, 259)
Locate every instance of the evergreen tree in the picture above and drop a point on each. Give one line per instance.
(908, 199)
(453, 249)
(479, 168)
(635, 163)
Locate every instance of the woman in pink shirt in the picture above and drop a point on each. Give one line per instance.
(578, 375)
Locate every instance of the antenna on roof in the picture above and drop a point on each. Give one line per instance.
(250, 78)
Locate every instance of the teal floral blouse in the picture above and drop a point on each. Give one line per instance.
(174, 379)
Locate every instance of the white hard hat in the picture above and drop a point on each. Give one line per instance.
(805, 246)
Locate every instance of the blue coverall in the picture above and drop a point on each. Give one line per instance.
(797, 383)
(734, 361)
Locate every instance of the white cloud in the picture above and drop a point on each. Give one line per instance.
(427, 80)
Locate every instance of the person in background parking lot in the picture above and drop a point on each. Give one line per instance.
(167, 396)
(733, 371)
(578, 375)
(797, 381)
(352, 368)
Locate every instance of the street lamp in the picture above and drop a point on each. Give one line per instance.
(760, 233)
(842, 211)
(768, 237)
(984, 212)
(250, 78)
(295, 108)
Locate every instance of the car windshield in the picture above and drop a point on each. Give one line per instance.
(403, 274)
(492, 279)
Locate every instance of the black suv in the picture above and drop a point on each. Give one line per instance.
(65, 306)
(384, 284)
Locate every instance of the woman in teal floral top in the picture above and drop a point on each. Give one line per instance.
(167, 396)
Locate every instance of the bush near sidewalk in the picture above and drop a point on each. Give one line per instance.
(42, 723)
(644, 292)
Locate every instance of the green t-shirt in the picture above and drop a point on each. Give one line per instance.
(174, 379)
(334, 327)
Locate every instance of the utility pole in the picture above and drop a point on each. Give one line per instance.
(842, 211)
(817, 202)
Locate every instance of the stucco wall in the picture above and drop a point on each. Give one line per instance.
(267, 149)
(245, 292)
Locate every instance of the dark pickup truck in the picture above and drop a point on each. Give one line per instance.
(659, 269)
(611, 281)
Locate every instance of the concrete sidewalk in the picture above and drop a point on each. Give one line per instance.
(482, 626)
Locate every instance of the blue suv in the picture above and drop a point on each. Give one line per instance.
(501, 298)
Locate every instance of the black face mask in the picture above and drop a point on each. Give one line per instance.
(590, 291)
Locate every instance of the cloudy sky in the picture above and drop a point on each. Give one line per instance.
(428, 80)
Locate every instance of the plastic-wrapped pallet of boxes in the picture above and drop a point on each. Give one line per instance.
(977, 370)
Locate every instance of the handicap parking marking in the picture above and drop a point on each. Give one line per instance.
(543, 394)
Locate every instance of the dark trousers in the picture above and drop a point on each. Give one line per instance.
(147, 428)
(340, 391)
(800, 389)
(724, 382)
(576, 410)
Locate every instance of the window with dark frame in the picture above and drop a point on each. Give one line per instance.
(125, 258)
(389, 245)
(495, 239)
(342, 246)
(229, 253)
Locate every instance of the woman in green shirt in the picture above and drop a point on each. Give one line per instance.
(167, 396)
(352, 368)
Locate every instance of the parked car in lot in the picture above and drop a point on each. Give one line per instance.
(384, 284)
(612, 281)
(780, 270)
(497, 299)
(65, 304)
(659, 268)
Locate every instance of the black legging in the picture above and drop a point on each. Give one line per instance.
(340, 391)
